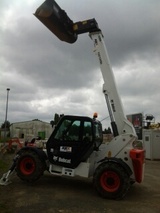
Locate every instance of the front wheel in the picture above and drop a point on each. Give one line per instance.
(111, 181)
(29, 166)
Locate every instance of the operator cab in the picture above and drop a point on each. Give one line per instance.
(73, 140)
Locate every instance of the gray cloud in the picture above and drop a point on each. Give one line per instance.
(48, 76)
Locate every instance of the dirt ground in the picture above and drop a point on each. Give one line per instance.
(53, 194)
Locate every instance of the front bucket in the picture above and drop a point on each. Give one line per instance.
(56, 20)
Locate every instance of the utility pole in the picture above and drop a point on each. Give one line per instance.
(8, 89)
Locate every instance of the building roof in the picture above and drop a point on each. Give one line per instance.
(29, 121)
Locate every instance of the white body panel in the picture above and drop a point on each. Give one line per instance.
(119, 148)
(109, 87)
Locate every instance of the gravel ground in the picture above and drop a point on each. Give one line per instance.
(52, 194)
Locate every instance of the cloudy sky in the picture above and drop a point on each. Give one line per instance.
(47, 76)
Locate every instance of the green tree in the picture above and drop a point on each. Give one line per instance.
(56, 119)
(52, 123)
(107, 131)
(7, 125)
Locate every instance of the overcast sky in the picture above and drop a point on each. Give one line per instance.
(48, 76)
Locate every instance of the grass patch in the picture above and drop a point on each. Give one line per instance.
(3, 165)
(2, 140)
(5, 162)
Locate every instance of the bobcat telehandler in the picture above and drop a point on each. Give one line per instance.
(75, 146)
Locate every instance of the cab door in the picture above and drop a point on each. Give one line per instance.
(71, 141)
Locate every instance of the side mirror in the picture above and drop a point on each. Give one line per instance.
(56, 20)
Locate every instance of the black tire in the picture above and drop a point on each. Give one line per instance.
(29, 166)
(111, 181)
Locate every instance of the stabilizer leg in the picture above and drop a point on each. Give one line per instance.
(5, 180)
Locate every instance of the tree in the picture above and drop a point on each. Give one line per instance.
(107, 131)
(56, 119)
(52, 123)
(7, 125)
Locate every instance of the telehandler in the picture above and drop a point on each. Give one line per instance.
(75, 146)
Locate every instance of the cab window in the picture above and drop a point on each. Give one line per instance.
(98, 134)
(87, 131)
(68, 131)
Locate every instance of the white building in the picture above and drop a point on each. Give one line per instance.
(30, 129)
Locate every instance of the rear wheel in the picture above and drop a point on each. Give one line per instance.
(29, 166)
(111, 181)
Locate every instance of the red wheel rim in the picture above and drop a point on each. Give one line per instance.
(27, 166)
(110, 181)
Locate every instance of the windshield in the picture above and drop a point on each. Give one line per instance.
(68, 130)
